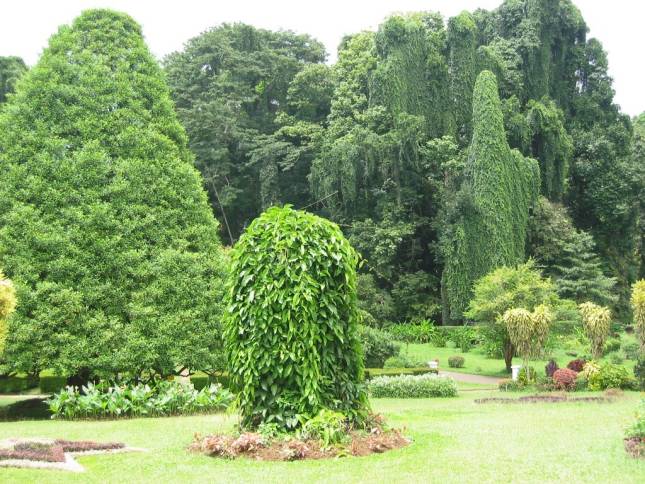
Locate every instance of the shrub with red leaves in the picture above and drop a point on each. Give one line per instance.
(248, 442)
(565, 379)
(577, 365)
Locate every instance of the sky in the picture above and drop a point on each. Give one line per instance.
(26, 25)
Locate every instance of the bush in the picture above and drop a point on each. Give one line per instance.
(637, 429)
(292, 321)
(411, 386)
(576, 365)
(611, 345)
(200, 380)
(630, 350)
(329, 427)
(456, 361)
(610, 375)
(508, 385)
(114, 401)
(420, 332)
(639, 373)
(616, 358)
(376, 372)
(564, 379)
(464, 337)
(527, 375)
(582, 383)
(377, 346)
(550, 368)
(401, 361)
(16, 384)
(51, 383)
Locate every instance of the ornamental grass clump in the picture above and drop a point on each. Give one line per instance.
(528, 330)
(292, 321)
(596, 320)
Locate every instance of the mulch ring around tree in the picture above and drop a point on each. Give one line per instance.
(607, 398)
(635, 446)
(54, 453)
(255, 446)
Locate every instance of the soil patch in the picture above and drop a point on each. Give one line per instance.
(255, 446)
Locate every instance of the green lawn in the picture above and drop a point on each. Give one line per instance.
(455, 440)
(477, 363)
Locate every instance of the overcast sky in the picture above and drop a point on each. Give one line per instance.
(25, 25)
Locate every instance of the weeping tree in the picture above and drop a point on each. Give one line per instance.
(292, 320)
(7, 306)
(490, 222)
(105, 228)
(528, 330)
(596, 320)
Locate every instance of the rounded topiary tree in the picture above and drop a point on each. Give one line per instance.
(291, 327)
(7, 306)
(105, 228)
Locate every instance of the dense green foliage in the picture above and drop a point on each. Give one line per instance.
(567, 255)
(412, 386)
(137, 400)
(105, 228)
(229, 85)
(382, 143)
(377, 346)
(508, 288)
(500, 187)
(11, 69)
(292, 321)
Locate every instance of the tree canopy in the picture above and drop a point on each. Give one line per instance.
(381, 142)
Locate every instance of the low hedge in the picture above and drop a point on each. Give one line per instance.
(412, 386)
(17, 383)
(201, 380)
(51, 383)
(376, 372)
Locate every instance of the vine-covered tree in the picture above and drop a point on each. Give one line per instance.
(292, 321)
(105, 228)
(11, 69)
(500, 187)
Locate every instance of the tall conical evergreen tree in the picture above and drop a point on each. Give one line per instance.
(500, 186)
(104, 225)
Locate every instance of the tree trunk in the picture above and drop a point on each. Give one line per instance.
(509, 351)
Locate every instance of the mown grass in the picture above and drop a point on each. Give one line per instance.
(455, 440)
(477, 363)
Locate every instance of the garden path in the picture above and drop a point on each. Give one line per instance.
(468, 378)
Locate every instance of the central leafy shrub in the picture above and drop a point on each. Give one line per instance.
(412, 386)
(292, 322)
